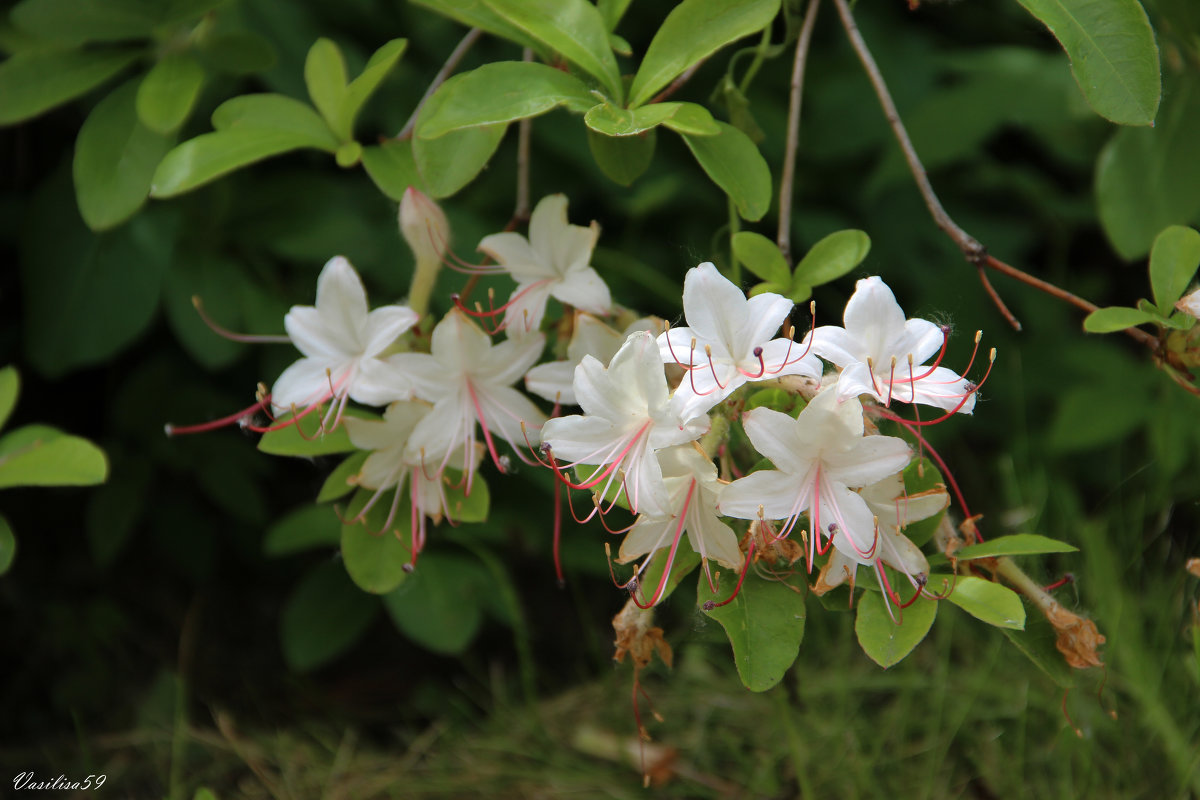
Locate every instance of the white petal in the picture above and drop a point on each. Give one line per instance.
(943, 388)
(585, 289)
(712, 538)
(867, 460)
(647, 535)
(503, 411)
(897, 551)
(428, 378)
(713, 306)
(781, 495)
(699, 391)
(512, 251)
(856, 379)
(765, 314)
(459, 344)
(547, 223)
(341, 298)
(921, 338)
(836, 345)
(314, 336)
(526, 308)
(509, 360)
(553, 382)
(854, 535)
(785, 357)
(582, 439)
(778, 437)
(384, 325)
(675, 346)
(378, 383)
(593, 338)
(302, 384)
(874, 318)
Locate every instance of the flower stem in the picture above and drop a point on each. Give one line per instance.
(445, 72)
(421, 288)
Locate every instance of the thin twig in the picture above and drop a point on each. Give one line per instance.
(676, 84)
(445, 72)
(786, 183)
(524, 131)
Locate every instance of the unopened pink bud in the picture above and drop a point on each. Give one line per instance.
(424, 226)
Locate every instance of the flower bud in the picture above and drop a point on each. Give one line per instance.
(1190, 304)
(424, 226)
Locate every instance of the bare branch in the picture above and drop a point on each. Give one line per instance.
(784, 237)
(445, 72)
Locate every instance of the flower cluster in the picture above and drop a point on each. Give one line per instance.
(658, 403)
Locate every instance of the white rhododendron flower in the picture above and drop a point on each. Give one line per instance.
(883, 355)
(819, 458)
(627, 418)
(469, 380)
(391, 465)
(728, 341)
(893, 509)
(342, 341)
(555, 380)
(693, 489)
(552, 262)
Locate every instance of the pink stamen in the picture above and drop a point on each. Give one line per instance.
(710, 605)
(236, 337)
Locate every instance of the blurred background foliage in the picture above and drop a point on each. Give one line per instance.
(155, 633)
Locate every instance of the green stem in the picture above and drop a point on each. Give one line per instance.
(760, 54)
(734, 273)
(421, 289)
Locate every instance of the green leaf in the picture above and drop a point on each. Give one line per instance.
(325, 76)
(375, 551)
(168, 93)
(218, 283)
(10, 388)
(736, 165)
(80, 21)
(8, 545)
(612, 11)
(690, 118)
(1037, 642)
(249, 129)
(323, 618)
(573, 28)
(1088, 417)
(1112, 51)
(338, 483)
(887, 641)
(115, 158)
(304, 438)
(1173, 261)
(1020, 544)
(38, 455)
(435, 607)
(35, 82)
(686, 560)
(832, 257)
(1115, 318)
(463, 507)
(764, 623)
(500, 93)
(988, 601)
(308, 527)
(475, 14)
(391, 166)
(623, 159)
(1149, 178)
(694, 30)
(761, 256)
(361, 88)
(115, 509)
(348, 155)
(448, 163)
(87, 296)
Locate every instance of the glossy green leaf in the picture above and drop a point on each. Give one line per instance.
(326, 79)
(1037, 642)
(688, 118)
(361, 89)
(573, 28)
(10, 388)
(1089, 416)
(448, 163)
(392, 167)
(1115, 318)
(1020, 544)
(694, 30)
(376, 553)
(623, 159)
(115, 158)
(771, 286)
(35, 82)
(500, 93)
(1149, 178)
(988, 601)
(87, 296)
(38, 455)
(339, 483)
(885, 640)
(832, 257)
(462, 506)
(612, 120)
(1173, 261)
(249, 129)
(736, 165)
(80, 21)
(168, 93)
(686, 560)
(348, 155)
(323, 617)
(761, 256)
(1112, 51)
(764, 623)
(218, 283)
(435, 607)
(8, 545)
(476, 14)
(308, 527)
(612, 11)
(304, 438)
